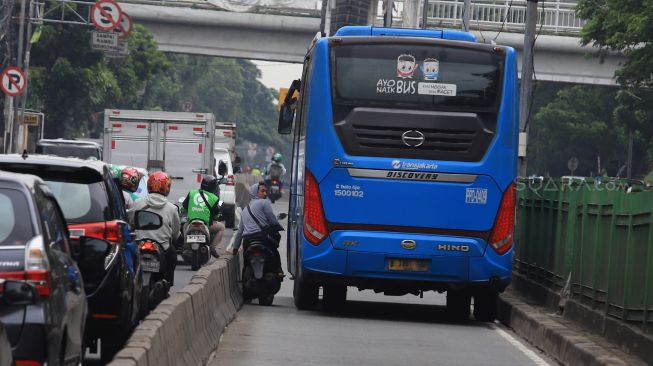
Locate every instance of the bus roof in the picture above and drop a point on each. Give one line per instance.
(369, 31)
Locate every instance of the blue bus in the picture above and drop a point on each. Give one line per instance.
(403, 167)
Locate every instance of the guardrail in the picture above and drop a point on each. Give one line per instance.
(592, 242)
(506, 15)
(185, 328)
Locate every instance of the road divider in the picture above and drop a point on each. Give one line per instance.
(184, 329)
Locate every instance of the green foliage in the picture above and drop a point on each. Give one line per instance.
(625, 26)
(71, 83)
(577, 123)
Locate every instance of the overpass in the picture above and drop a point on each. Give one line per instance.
(285, 38)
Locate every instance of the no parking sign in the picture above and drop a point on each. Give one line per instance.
(106, 15)
(14, 81)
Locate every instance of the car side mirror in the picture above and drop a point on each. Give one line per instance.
(147, 220)
(282, 216)
(18, 293)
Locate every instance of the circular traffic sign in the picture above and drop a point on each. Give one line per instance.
(106, 15)
(126, 25)
(14, 81)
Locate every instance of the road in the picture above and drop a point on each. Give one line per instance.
(372, 329)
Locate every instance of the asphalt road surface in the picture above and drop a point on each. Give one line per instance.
(372, 329)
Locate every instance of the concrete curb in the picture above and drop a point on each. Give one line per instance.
(184, 329)
(558, 341)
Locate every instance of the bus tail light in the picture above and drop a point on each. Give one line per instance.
(315, 228)
(501, 238)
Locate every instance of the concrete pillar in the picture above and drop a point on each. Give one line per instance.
(350, 12)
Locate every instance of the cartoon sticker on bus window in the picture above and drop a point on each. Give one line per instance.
(406, 66)
(431, 69)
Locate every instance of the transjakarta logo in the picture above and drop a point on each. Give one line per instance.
(398, 164)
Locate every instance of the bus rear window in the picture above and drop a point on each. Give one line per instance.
(416, 76)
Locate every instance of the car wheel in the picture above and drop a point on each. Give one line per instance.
(305, 295)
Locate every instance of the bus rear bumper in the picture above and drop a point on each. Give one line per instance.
(369, 270)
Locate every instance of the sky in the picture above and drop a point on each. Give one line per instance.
(277, 75)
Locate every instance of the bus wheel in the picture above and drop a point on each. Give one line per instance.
(335, 297)
(485, 306)
(305, 294)
(458, 303)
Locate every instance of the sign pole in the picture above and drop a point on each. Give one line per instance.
(23, 98)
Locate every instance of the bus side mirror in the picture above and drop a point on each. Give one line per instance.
(286, 118)
(222, 168)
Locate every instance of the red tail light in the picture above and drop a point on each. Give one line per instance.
(28, 363)
(148, 246)
(110, 231)
(315, 228)
(230, 180)
(256, 253)
(275, 182)
(501, 238)
(41, 280)
(196, 225)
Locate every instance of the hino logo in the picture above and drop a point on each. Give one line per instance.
(453, 247)
(413, 138)
(408, 244)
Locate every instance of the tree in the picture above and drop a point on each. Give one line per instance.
(578, 123)
(626, 27)
(70, 82)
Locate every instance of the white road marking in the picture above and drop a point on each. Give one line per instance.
(520, 346)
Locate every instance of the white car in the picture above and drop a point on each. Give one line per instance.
(227, 187)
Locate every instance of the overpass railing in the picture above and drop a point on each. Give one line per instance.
(557, 16)
(592, 241)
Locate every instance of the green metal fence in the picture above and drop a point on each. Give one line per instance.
(596, 235)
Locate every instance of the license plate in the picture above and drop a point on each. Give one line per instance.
(151, 265)
(409, 265)
(274, 189)
(195, 239)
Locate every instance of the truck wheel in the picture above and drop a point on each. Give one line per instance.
(305, 294)
(485, 306)
(458, 303)
(335, 297)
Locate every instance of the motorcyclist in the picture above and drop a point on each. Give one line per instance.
(275, 170)
(202, 204)
(158, 188)
(259, 209)
(116, 173)
(129, 182)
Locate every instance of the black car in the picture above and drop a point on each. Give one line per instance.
(70, 148)
(43, 305)
(108, 258)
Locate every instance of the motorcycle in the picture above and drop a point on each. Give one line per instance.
(153, 261)
(260, 273)
(197, 239)
(274, 189)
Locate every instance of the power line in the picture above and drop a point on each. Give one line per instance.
(503, 24)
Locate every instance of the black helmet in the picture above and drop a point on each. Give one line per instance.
(209, 184)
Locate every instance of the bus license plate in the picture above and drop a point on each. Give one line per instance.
(151, 265)
(195, 239)
(409, 265)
